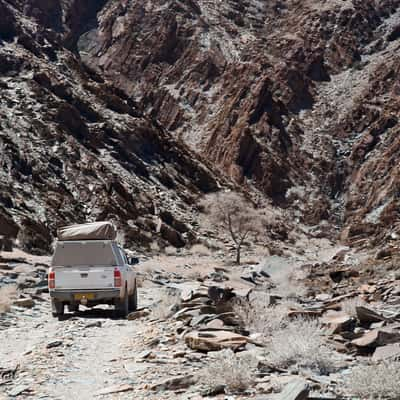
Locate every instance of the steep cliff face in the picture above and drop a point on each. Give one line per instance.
(74, 148)
(372, 206)
(298, 100)
(278, 94)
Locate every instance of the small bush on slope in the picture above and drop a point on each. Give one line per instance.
(258, 317)
(375, 381)
(349, 306)
(299, 343)
(233, 371)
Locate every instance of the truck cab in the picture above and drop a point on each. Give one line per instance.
(91, 272)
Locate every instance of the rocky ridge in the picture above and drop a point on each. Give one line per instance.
(276, 94)
(75, 148)
(295, 101)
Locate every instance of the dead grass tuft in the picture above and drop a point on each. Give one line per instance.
(375, 381)
(300, 343)
(235, 372)
(260, 318)
(7, 294)
(349, 306)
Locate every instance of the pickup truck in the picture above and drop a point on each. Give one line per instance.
(91, 272)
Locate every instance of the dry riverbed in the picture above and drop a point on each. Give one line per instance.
(163, 350)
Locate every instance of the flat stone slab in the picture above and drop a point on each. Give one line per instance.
(214, 340)
(388, 352)
(377, 337)
(366, 315)
(114, 389)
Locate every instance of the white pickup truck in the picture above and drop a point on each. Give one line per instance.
(91, 272)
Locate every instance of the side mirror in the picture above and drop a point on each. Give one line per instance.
(133, 260)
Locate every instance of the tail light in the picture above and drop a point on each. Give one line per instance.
(117, 277)
(52, 279)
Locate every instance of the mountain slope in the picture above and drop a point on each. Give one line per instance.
(296, 101)
(74, 148)
(257, 88)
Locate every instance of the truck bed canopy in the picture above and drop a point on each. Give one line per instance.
(90, 253)
(91, 231)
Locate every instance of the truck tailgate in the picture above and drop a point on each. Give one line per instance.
(93, 277)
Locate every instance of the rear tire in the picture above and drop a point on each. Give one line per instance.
(73, 307)
(133, 300)
(122, 307)
(57, 308)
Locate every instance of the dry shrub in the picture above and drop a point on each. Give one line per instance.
(349, 306)
(233, 371)
(7, 294)
(258, 317)
(166, 305)
(300, 343)
(200, 250)
(375, 381)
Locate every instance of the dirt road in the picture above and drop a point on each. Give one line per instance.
(72, 358)
(91, 351)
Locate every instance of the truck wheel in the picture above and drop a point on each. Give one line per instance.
(123, 305)
(133, 300)
(57, 308)
(73, 307)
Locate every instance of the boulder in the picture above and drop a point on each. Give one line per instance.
(35, 237)
(388, 352)
(114, 389)
(215, 324)
(377, 337)
(8, 228)
(138, 314)
(175, 383)
(214, 340)
(298, 389)
(8, 28)
(339, 322)
(340, 274)
(171, 235)
(366, 315)
(26, 303)
(6, 244)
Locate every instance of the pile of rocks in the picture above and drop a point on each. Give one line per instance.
(26, 281)
(205, 307)
(209, 321)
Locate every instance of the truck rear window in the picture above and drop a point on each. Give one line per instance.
(84, 253)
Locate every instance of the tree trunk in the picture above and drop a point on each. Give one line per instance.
(238, 248)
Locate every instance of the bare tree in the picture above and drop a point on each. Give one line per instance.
(236, 215)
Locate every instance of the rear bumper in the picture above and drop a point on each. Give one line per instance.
(67, 295)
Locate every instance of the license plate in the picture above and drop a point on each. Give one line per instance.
(80, 296)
